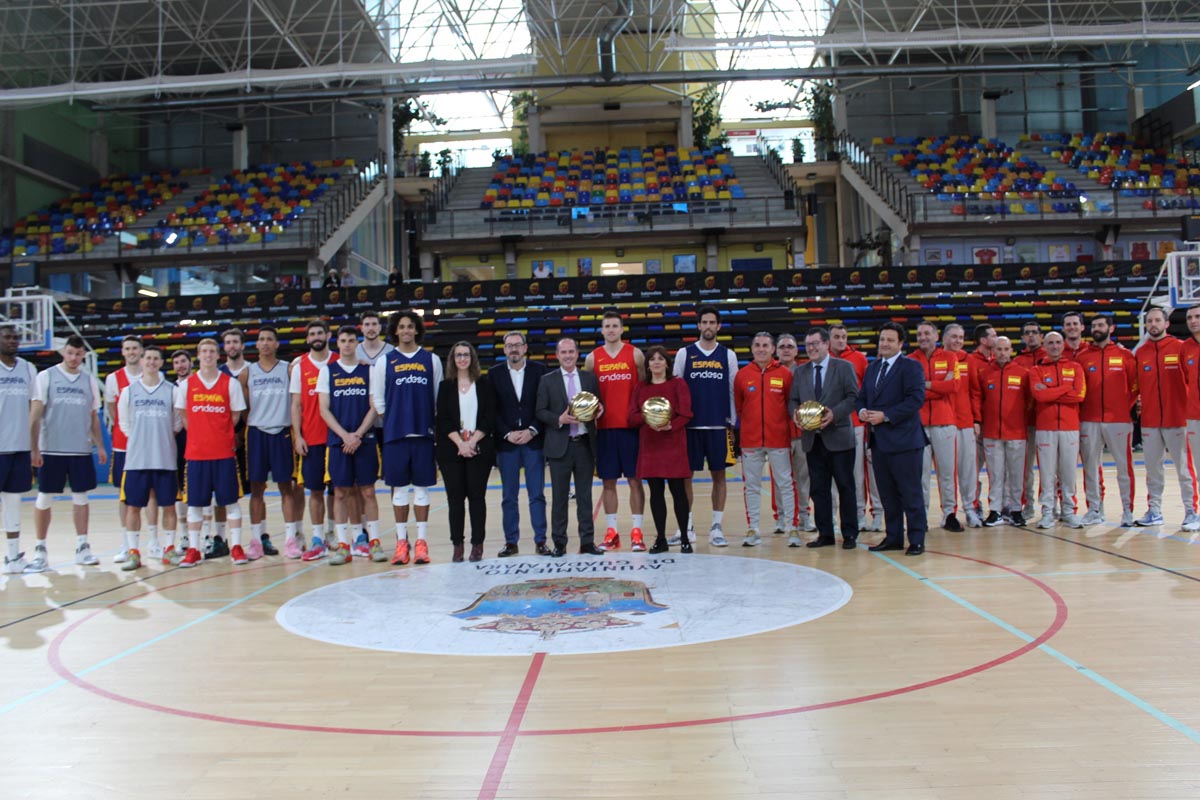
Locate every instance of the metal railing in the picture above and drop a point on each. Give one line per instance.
(1106, 204)
(878, 176)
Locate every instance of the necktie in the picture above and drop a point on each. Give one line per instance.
(572, 390)
(882, 375)
(817, 384)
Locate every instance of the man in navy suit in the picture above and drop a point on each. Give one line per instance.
(519, 442)
(890, 401)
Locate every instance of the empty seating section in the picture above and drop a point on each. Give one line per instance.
(243, 207)
(573, 178)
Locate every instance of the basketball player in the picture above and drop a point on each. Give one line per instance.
(181, 362)
(619, 367)
(343, 395)
(269, 450)
(17, 381)
(233, 343)
(372, 348)
(709, 369)
(114, 385)
(404, 386)
(211, 403)
(148, 420)
(309, 434)
(64, 429)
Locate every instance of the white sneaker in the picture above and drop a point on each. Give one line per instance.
(1127, 519)
(973, 520)
(15, 566)
(41, 561)
(752, 539)
(864, 523)
(1093, 517)
(810, 524)
(1191, 521)
(877, 522)
(1073, 521)
(1029, 512)
(84, 557)
(121, 557)
(676, 539)
(716, 536)
(1047, 521)
(154, 549)
(1150, 519)
(779, 530)
(794, 539)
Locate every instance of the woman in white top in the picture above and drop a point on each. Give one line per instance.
(465, 451)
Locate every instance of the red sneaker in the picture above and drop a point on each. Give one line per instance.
(401, 554)
(238, 555)
(191, 558)
(422, 552)
(636, 543)
(612, 540)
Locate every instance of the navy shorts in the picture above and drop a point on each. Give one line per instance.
(616, 453)
(56, 471)
(270, 455)
(409, 461)
(138, 483)
(707, 444)
(359, 469)
(116, 467)
(312, 468)
(215, 478)
(16, 472)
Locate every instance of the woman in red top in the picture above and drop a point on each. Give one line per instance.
(662, 451)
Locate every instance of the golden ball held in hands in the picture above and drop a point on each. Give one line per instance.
(583, 406)
(809, 415)
(656, 411)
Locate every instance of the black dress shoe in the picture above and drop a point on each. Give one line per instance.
(543, 550)
(885, 545)
(952, 524)
(660, 545)
(558, 552)
(821, 542)
(590, 550)
(509, 550)
(686, 547)
(849, 544)
(915, 550)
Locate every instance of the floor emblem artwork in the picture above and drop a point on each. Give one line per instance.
(580, 604)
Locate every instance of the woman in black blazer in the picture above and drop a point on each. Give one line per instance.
(465, 450)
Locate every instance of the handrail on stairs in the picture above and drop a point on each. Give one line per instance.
(877, 176)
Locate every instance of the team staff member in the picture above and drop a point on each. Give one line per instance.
(938, 419)
(870, 518)
(965, 419)
(17, 381)
(618, 367)
(309, 437)
(1162, 400)
(760, 397)
(212, 403)
(1031, 337)
(709, 367)
(977, 362)
(1057, 387)
(64, 429)
(465, 451)
(1110, 372)
(343, 396)
(269, 449)
(795, 519)
(1191, 373)
(1072, 331)
(148, 421)
(404, 390)
(1004, 410)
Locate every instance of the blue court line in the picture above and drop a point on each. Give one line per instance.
(1057, 574)
(1091, 675)
(20, 701)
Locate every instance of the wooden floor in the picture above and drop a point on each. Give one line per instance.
(1004, 663)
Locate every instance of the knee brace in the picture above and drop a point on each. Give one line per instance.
(11, 502)
(421, 496)
(79, 498)
(42, 502)
(400, 496)
(233, 512)
(195, 514)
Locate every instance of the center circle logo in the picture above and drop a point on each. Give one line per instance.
(579, 604)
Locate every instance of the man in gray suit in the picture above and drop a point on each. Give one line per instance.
(829, 449)
(570, 447)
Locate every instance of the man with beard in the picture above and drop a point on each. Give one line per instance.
(1162, 387)
(1110, 372)
(116, 382)
(309, 434)
(864, 470)
(1191, 371)
(1031, 337)
(709, 368)
(372, 348)
(17, 381)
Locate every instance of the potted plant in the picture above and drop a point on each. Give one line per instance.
(425, 165)
(818, 102)
(797, 151)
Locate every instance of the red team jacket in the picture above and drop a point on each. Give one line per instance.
(1191, 371)
(939, 406)
(761, 399)
(1161, 382)
(1112, 383)
(1005, 401)
(859, 362)
(1057, 405)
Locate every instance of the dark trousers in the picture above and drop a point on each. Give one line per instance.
(825, 467)
(580, 464)
(658, 503)
(466, 481)
(898, 476)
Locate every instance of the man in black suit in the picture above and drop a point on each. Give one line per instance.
(570, 447)
(890, 401)
(519, 442)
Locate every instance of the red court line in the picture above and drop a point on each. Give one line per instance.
(491, 782)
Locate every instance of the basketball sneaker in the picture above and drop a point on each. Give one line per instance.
(795, 540)
(376, 554)
(238, 555)
(216, 547)
(132, 562)
(752, 539)
(41, 561)
(716, 536)
(254, 549)
(294, 547)
(314, 553)
(400, 556)
(612, 540)
(121, 557)
(268, 548)
(191, 558)
(340, 555)
(362, 548)
(172, 556)
(1150, 519)
(83, 555)
(15, 566)
(636, 543)
(421, 552)
(154, 549)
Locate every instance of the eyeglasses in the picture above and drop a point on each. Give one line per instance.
(462, 355)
